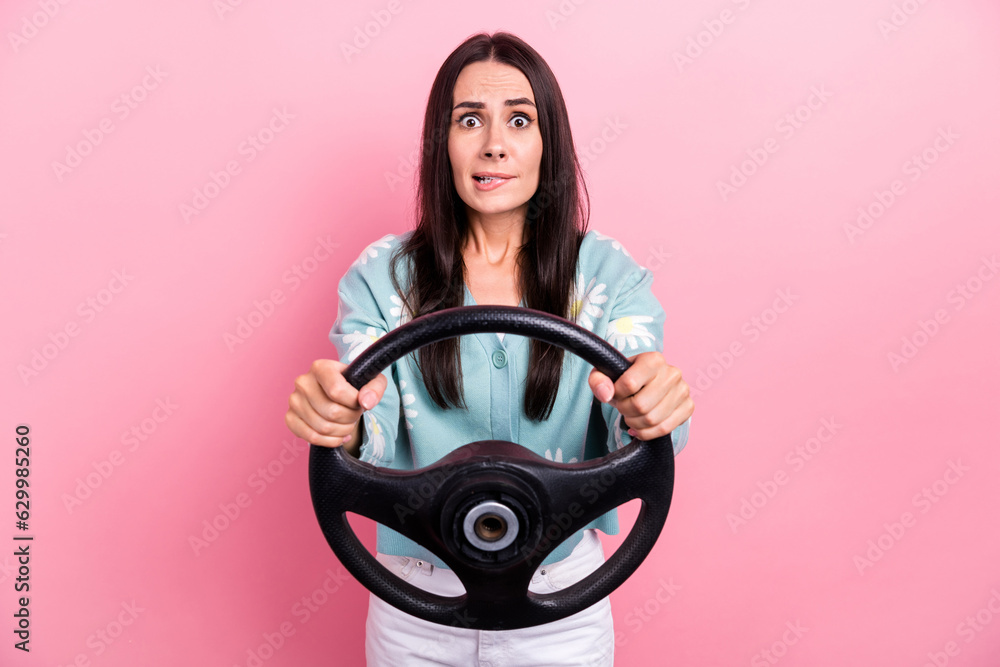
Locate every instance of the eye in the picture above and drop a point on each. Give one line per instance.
(524, 116)
(463, 123)
(527, 120)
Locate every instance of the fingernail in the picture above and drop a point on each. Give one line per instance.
(605, 391)
(346, 440)
(366, 399)
(632, 433)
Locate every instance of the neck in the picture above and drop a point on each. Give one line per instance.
(494, 239)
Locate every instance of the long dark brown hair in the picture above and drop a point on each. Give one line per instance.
(555, 224)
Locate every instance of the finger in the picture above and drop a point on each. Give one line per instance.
(337, 422)
(304, 431)
(653, 385)
(675, 408)
(646, 418)
(674, 419)
(314, 405)
(644, 368)
(657, 399)
(370, 394)
(651, 402)
(329, 376)
(601, 385)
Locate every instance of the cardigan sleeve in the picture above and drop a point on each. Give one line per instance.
(635, 325)
(360, 322)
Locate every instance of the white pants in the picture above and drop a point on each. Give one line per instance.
(585, 639)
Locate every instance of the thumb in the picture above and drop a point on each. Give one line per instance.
(370, 394)
(602, 386)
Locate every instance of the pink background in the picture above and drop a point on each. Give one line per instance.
(337, 168)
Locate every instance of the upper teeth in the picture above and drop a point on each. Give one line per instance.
(485, 179)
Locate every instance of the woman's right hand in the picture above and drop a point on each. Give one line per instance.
(325, 410)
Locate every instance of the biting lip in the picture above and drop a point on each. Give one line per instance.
(487, 182)
(487, 174)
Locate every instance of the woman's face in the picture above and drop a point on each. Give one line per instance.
(494, 129)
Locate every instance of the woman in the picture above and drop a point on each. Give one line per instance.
(500, 221)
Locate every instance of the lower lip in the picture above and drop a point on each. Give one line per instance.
(492, 185)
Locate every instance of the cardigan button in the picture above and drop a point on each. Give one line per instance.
(499, 358)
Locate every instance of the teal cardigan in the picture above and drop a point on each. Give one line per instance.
(407, 430)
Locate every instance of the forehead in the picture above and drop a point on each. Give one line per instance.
(482, 81)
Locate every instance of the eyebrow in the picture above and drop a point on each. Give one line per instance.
(508, 103)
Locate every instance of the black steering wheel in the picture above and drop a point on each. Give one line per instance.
(491, 510)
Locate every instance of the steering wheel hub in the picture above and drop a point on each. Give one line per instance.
(490, 525)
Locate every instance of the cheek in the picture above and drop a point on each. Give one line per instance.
(535, 158)
(536, 170)
(457, 156)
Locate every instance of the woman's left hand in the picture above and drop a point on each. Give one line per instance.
(651, 395)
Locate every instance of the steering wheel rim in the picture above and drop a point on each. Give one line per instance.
(339, 484)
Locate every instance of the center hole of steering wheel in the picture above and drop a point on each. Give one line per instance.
(490, 526)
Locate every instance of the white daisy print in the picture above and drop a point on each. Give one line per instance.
(408, 399)
(399, 310)
(360, 341)
(377, 437)
(586, 301)
(558, 457)
(614, 244)
(630, 331)
(372, 250)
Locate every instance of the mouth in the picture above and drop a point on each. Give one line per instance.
(486, 183)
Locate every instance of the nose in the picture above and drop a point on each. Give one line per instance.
(494, 142)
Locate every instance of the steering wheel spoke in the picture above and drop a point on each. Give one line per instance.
(393, 498)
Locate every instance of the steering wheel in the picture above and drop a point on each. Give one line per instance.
(491, 510)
